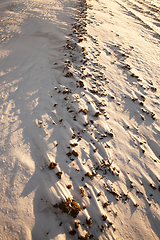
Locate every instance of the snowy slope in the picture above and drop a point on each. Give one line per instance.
(80, 129)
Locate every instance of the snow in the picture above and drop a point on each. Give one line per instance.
(79, 119)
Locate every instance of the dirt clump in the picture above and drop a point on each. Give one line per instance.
(59, 175)
(52, 165)
(64, 206)
(69, 206)
(69, 186)
(75, 208)
(85, 237)
(76, 224)
(89, 222)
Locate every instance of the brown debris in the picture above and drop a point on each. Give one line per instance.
(105, 204)
(76, 224)
(69, 186)
(104, 217)
(64, 206)
(82, 191)
(72, 232)
(102, 228)
(93, 91)
(136, 204)
(69, 205)
(75, 208)
(85, 111)
(75, 153)
(97, 114)
(52, 165)
(154, 89)
(153, 185)
(143, 97)
(109, 133)
(88, 175)
(133, 75)
(153, 116)
(69, 154)
(111, 223)
(69, 74)
(85, 124)
(59, 174)
(89, 222)
(74, 144)
(66, 91)
(85, 237)
(143, 118)
(81, 84)
(94, 150)
(73, 136)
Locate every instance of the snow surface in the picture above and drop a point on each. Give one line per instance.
(79, 119)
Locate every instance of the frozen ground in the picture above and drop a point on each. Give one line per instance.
(79, 119)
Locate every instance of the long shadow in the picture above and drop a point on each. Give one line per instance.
(21, 105)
